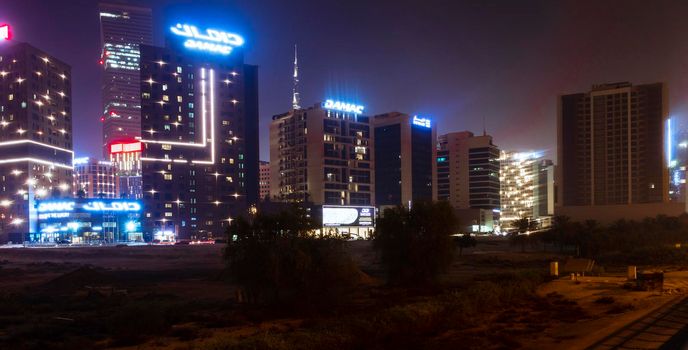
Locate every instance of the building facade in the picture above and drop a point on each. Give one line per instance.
(96, 178)
(468, 178)
(527, 187)
(323, 154)
(611, 146)
(264, 181)
(405, 150)
(200, 134)
(123, 28)
(35, 135)
(125, 155)
(545, 191)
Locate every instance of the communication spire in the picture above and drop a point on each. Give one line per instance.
(295, 92)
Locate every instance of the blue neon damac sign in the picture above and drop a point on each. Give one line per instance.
(210, 40)
(343, 106)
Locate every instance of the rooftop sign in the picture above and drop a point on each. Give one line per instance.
(125, 147)
(424, 122)
(5, 32)
(343, 107)
(211, 40)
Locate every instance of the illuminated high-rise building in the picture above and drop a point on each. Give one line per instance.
(35, 135)
(322, 154)
(200, 133)
(405, 167)
(96, 178)
(123, 28)
(527, 186)
(611, 146)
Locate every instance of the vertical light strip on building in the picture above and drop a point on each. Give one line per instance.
(212, 116)
(668, 143)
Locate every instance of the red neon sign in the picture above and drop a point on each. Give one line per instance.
(126, 147)
(5, 32)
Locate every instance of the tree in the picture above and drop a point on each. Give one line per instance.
(465, 241)
(520, 236)
(416, 244)
(277, 259)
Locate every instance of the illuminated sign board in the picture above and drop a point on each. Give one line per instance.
(5, 32)
(343, 107)
(424, 122)
(95, 205)
(212, 40)
(348, 216)
(126, 147)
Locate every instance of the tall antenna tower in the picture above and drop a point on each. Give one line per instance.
(295, 93)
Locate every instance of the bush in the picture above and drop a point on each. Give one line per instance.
(277, 259)
(416, 245)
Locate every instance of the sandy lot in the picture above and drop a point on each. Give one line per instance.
(51, 297)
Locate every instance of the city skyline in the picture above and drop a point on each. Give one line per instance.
(549, 52)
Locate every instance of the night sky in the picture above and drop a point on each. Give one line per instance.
(455, 62)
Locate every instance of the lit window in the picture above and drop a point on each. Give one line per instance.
(165, 98)
(167, 147)
(168, 214)
(179, 69)
(164, 87)
(179, 99)
(10, 97)
(168, 177)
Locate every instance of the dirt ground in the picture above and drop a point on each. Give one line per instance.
(43, 291)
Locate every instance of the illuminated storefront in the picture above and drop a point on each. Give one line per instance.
(88, 221)
(356, 222)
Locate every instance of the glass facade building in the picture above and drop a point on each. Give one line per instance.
(405, 150)
(123, 28)
(84, 221)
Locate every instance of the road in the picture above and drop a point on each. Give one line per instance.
(665, 328)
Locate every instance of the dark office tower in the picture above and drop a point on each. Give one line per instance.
(470, 167)
(200, 133)
(322, 154)
(544, 192)
(405, 151)
(35, 135)
(123, 28)
(468, 178)
(610, 144)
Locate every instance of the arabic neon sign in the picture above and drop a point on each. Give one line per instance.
(424, 122)
(343, 107)
(212, 40)
(89, 206)
(5, 32)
